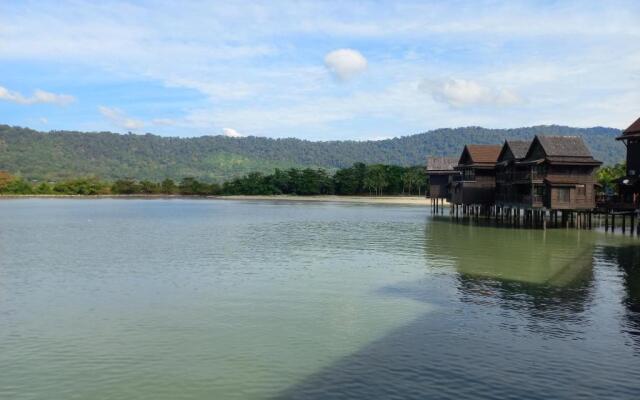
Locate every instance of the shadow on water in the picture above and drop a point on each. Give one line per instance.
(509, 323)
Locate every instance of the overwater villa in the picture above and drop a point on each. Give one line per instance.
(476, 183)
(629, 185)
(550, 172)
(560, 173)
(510, 188)
(442, 173)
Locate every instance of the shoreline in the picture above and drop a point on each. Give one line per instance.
(395, 200)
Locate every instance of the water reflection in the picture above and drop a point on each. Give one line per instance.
(546, 277)
(627, 258)
(514, 318)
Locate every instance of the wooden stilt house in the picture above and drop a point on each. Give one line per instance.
(476, 183)
(629, 185)
(511, 190)
(441, 174)
(560, 173)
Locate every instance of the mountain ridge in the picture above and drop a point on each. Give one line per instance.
(57, 155)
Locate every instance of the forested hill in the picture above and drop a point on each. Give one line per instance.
(61, 154)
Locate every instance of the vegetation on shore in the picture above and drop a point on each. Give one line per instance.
(359, 179)
(607, 175)
(64, 155)
(356, 180)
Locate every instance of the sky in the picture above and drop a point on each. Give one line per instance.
(317, 70)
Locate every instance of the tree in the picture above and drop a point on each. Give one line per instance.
(125, 186)
(168, 186)
(376, 178)
(606, 176)
(5, 178)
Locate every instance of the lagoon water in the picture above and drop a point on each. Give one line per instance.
(202, 299)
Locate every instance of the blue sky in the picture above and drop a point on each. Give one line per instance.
(317, 70)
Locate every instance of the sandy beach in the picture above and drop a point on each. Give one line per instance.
(400, 200)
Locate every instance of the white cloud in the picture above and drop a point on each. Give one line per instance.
(463, 93)
(38, 97)
(230, 132)
(120, 119)
(345, 64)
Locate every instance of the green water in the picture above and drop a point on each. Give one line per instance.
(187, 299)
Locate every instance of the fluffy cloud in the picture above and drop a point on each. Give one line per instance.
(345, 64)
(38, 97)
(463, 93)
(120, 119)
(230, 132)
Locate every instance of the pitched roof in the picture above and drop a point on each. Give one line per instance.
(483, 153)
(632, 130)
(564, 146)
(519, 148)
(441, 163)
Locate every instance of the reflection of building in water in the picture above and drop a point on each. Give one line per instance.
(628, 260)
(547, 274)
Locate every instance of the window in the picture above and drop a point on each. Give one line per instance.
(581, 190)
(564, 195)
(469, 175)
(540, 170)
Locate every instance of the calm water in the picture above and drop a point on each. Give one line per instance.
(179, 299)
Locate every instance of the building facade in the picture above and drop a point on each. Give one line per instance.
(441, 172)
(476, 183)
(629, 185)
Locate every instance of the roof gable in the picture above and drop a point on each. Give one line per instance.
(633, 129)
(564, 146)
(480, 154)
(562, 149)
(465, 157)
(514, 150)
(505, 153)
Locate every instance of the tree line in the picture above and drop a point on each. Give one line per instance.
(60, 155)
(359, 179)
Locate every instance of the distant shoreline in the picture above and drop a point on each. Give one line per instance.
(397, 200)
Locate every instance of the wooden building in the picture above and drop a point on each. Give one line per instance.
(476, 183)
(441, 174)
(629, 185)
(510, 190)
(560, 173)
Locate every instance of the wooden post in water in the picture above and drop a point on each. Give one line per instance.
(613, 222)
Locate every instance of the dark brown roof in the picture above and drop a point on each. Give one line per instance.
(632, 131)
(484, 153)
(519, 148)
(441, 163)
(633, 128)
(564, 146)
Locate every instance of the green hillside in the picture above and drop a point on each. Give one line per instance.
(61, 154)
